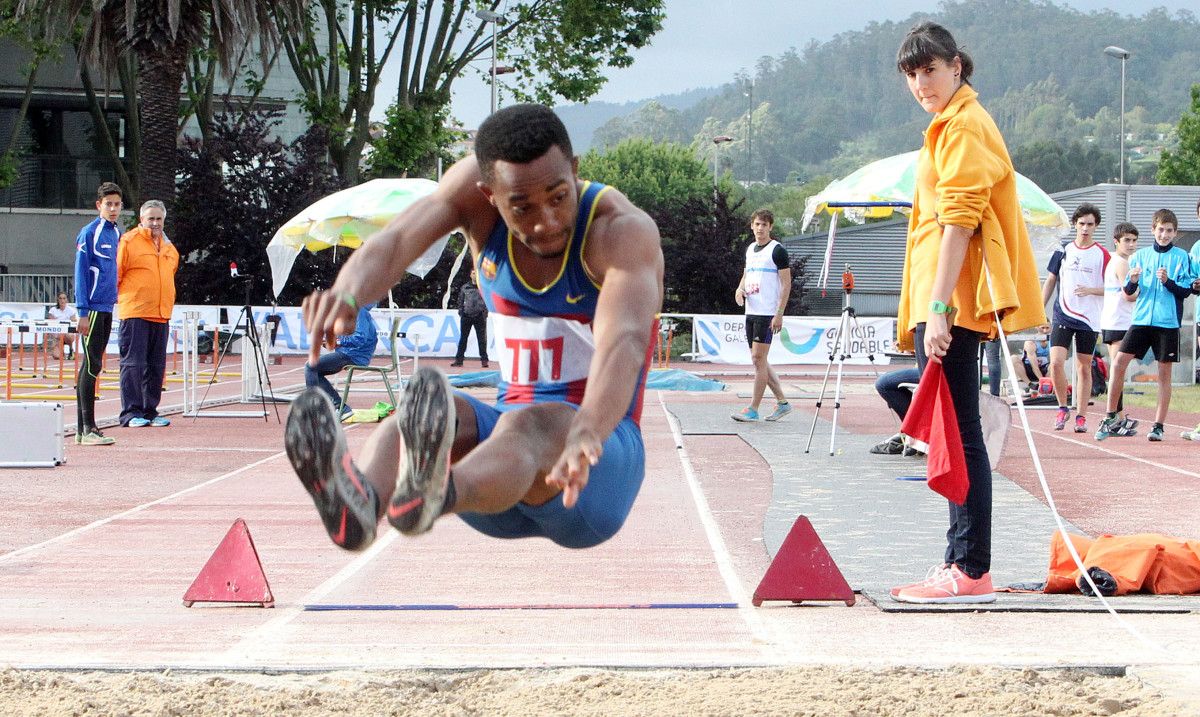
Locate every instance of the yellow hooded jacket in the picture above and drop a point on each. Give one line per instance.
(145, 277)
(965, 178)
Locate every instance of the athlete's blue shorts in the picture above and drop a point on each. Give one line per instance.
(603, 504)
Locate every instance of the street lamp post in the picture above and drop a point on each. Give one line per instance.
(492, 17)
(750, 135)
(1122, 55)
(718, 141)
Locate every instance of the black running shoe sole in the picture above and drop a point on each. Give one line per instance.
(425, 420)
(317, 450)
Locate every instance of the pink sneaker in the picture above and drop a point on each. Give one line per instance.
(948, 586)
(929, 575)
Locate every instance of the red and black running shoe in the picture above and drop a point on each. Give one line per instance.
(425, 419)
(315, 445)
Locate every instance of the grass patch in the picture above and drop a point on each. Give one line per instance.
(1185, 399)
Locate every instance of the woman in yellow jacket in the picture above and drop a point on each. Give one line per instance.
(965, 217)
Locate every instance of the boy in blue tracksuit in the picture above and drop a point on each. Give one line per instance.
(1160, 278)
(356, 348)
(95, 294)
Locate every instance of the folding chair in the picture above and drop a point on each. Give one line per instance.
(394, 335)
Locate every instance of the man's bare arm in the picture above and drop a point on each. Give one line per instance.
(630, 298)
(631, 269)
(1048, 288)
(382, 260)
(785, 291)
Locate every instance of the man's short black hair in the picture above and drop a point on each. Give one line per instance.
(519, 134)
(1083, 210)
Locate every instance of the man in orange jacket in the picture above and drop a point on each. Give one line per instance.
(146, 264)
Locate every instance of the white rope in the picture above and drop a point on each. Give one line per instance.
(1041, 474)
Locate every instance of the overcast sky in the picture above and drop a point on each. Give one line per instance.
(704, 43)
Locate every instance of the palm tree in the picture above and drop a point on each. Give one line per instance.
(161, 36)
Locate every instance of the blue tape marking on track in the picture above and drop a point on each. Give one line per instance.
(921, 478)
(605, 606)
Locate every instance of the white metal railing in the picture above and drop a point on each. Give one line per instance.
(34, 288)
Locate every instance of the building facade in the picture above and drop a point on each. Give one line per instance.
(61, 157)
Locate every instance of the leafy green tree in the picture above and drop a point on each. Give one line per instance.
(559, 49)
(31, 37)
(704, 252)
(236, 189)
(786, 202)
(160, 37)
(651, 121)
(411, 142)
(652, 175)
(1055, 167)
(1182, 166)
(204, 97)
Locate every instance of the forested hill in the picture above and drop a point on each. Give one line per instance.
(1039, 69)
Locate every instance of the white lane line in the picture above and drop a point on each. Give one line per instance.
(733, 584)
(267, 636)
(136, 509)
(1118, 454)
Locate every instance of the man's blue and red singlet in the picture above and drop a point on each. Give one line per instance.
(544, 336)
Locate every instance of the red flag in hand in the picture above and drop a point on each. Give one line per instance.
(933, 425)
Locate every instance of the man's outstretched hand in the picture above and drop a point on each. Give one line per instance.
(327, 314)
(570, 472)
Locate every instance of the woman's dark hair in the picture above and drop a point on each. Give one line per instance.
(519, 134)
(927, 42)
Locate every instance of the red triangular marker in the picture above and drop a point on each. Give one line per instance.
(803, 570)
(233, 573)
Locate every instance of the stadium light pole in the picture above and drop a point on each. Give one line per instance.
(493, 18)
(718, 141)
(750, 134)
(1122, 55)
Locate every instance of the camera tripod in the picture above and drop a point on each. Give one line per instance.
(256, 379)
(838, 353)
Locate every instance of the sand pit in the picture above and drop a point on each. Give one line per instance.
(823, 691)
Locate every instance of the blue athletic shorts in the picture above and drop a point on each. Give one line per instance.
(603, 505)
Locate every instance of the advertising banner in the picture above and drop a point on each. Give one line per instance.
(431, 332)
(803, 340)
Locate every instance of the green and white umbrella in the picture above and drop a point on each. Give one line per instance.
(893, 180)
(347, 219)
